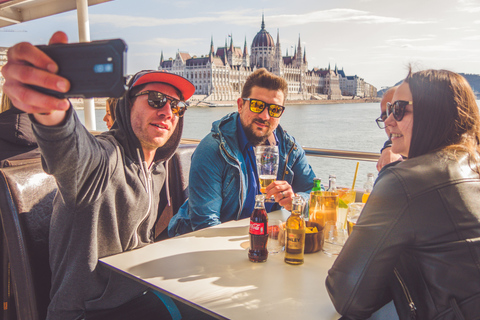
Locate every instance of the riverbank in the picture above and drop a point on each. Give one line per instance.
(300, 102)
(100, 102)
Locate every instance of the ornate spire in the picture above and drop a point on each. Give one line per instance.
(231, 42)
(245, 50)
(278, 37)
(212, 48)
(161, 57)
(304, 55)
(263, 22)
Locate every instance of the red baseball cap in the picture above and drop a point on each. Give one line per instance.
(180, 83)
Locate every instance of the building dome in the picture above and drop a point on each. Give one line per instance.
(263, 38)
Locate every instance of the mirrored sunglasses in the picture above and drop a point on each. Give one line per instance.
(158, 100)
(257, 106)
(397, 109)
(381, 120)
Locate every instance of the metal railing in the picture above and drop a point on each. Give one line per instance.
(326, 153)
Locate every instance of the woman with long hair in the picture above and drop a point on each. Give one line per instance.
(417, 240)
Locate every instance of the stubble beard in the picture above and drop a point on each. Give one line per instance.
(250, 132)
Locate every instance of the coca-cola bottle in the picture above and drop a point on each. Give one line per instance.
(258, 231)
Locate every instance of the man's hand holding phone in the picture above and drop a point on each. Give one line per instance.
(28, 65)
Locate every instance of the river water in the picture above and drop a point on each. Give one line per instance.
(348, 126)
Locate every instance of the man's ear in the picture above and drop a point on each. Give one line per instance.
(240, 104)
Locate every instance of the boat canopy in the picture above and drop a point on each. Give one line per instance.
(18, 11)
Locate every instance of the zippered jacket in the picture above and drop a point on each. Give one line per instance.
(107, 202)
(417, 241)
(218, 177)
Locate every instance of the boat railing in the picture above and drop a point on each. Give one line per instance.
(326, 153)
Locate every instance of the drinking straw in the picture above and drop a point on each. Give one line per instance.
(353, 187)
(355, 176)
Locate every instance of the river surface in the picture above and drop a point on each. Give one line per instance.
(338, 126)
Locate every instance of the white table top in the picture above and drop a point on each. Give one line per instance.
(210, 269)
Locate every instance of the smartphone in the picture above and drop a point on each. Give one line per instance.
(94, 69)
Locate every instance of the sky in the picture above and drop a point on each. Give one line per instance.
(374, 39)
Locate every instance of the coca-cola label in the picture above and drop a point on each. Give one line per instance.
(258, 228)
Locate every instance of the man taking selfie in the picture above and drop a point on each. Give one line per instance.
(111, 187)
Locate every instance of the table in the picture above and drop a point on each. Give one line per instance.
(209, 269)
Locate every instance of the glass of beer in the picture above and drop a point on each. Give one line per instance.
(323, 207)
(267, 158)
(353, 212)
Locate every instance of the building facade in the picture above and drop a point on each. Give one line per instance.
(221, 74)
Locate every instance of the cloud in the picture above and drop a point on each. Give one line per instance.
(404, 41)
(173, 42)
(245, 17)
(469, 6)
(472, 38)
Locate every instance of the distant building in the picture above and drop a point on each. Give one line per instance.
(221, 74)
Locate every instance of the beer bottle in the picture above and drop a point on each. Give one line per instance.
(317, 184)
(332, 183)
(295, 233)
(367, 187)
(258, 231)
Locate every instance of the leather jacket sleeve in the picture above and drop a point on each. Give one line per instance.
(358, 282)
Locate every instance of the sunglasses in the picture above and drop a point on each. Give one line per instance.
(158, 100)
(257, 106)
(381, 120)
(397, 109)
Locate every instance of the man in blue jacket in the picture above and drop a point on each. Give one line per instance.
(223, 175)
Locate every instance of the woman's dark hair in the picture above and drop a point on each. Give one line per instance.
(445, 113)
(112, 105)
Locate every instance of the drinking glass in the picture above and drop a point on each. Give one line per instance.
(275, 231)
(334, 237)
(345, 197)
(323, 207)
(353, 212)
(267, 167)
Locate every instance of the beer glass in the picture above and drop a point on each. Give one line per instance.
(353, 212)
(323, 207)
(267, 167)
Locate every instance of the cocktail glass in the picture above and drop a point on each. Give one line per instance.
(353, 212)
(345, 197)
(267, 167)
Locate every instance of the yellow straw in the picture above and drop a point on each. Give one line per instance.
(353, 187)
(355, 177)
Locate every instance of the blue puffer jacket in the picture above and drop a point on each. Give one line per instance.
(218, 177)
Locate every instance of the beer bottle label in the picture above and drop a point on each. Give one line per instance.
(258, 228)
(294, 242)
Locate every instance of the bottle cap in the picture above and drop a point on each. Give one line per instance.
(260, 197)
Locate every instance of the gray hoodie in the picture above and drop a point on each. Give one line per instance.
(107, 202)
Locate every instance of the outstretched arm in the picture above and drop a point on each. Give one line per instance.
(28, 65)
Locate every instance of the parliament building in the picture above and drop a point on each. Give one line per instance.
(220, 74)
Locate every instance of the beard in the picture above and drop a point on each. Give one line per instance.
(252, 135)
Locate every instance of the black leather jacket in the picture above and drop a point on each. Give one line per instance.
(417, 242)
